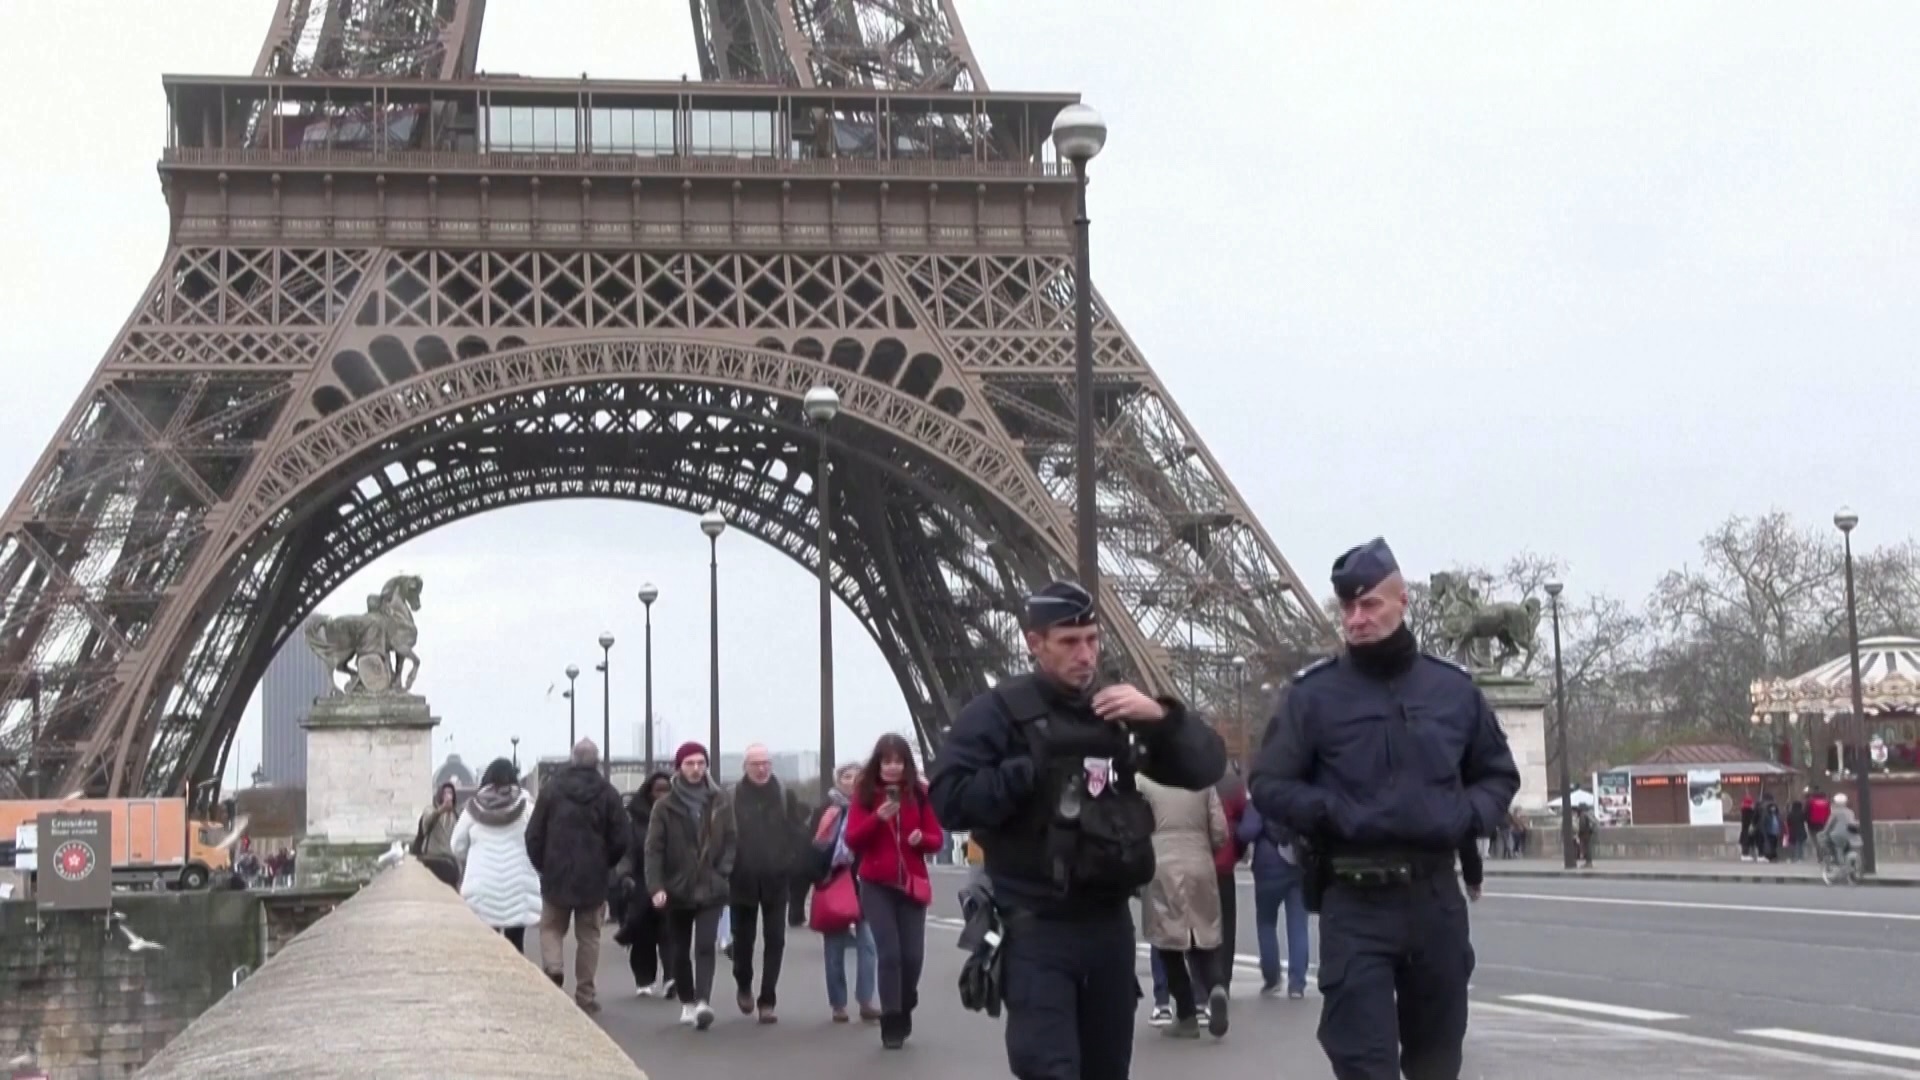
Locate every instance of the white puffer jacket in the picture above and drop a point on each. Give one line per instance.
(499, 883)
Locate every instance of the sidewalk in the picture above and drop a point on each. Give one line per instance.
(1784, 873)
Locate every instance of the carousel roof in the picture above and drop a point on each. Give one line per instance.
(1889, 683)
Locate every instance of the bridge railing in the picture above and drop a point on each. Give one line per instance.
(401, 981)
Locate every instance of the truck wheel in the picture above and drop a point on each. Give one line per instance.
(193, 878)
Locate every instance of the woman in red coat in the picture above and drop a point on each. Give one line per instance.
(891, 831)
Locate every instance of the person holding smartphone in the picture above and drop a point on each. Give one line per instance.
(891, 830)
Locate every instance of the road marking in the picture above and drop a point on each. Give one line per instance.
(1695, 905)
(1620, 1011)
(1834, 1042)
(1819, 1064)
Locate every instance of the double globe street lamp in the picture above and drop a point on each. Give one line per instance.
(573, 735)
(605, 668)
(1079, 134)
(1845, 519)
(821, 405)
(1554, 588)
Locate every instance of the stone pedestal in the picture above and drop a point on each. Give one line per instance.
(369, 770)
(1521, 706)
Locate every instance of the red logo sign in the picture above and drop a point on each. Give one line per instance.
(73, 860)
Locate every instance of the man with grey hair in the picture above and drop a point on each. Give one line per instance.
(577, 834)
(766, 818)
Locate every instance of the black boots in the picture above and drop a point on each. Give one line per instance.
(894, 1029)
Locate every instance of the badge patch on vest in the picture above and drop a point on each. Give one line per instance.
(1099, 774)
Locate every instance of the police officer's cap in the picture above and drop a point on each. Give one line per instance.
(1362, 568)
(1062, 603)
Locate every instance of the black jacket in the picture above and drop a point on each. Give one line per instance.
(578, 832)
(1415, 761)
(984, 780)
(690, 858)
(766, 821)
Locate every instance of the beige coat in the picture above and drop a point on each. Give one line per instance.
(1182, 906)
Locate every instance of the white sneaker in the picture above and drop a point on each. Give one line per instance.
(644, 992)
(703, 1016)
(1161, 1016)
(687, 1016)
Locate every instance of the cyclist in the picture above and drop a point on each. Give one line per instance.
(1838, 837)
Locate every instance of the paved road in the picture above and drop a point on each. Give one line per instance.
(1577, 980)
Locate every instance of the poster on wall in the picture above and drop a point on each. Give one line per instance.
(1613, 798)
(1703, 797)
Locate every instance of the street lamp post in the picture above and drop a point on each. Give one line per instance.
(1079, 134)
(1560, 714)
(1846, 519)
(713, 523)
(515, 740)
(605, 668)
(648, 594)
(573, 710)
(822, 404)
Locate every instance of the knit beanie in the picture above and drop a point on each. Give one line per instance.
(687, 750)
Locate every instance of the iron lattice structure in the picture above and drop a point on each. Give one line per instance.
(397, 295)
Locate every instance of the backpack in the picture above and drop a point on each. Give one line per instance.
(1096, 841)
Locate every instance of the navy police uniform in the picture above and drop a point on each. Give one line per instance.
(1069, 979)
(1388, 761)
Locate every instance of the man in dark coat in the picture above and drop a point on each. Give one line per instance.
(577, 834)
(768, 842)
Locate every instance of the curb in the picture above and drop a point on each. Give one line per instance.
(1666, 875)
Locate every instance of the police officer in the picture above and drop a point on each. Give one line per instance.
(1386, 760)
(1041, 769)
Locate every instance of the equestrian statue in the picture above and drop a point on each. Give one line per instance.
(1469, 627)
(372, 650)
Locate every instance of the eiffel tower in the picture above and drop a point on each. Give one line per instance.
(399, 292)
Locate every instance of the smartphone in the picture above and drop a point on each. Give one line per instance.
(893, 793)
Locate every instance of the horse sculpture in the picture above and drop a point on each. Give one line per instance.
(372, 650)
(1468, 627)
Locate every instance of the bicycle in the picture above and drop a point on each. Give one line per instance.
(1839, 871)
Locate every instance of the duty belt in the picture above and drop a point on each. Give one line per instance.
(1380, 870)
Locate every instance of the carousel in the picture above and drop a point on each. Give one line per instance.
(1889, 741)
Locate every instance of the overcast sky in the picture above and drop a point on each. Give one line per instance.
(1580, 279)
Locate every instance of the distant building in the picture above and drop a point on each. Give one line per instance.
(294, 679)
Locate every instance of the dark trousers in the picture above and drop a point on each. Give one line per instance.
(1191, 976)
(517, 937)
(899, 944)
(693, 933)
(1229, 928)
(797, 889)
(1070, 993)
(766, 900)
(1394, 965)
(649, 942)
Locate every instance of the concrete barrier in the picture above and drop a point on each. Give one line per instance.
(402, 983)
(1894, 842)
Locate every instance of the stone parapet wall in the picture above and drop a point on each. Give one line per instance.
(368, 969)
(1895, 841)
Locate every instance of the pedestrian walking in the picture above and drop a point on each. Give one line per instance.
(1385, 760)
(1227, 857)
(689, 858)
(644, 932)
(891, 829)
(433, 838)
(836, 914)
(1181, 913)
(1018, 760)
(577, 835)
(497, 879)
(764, 815)
(1277, 889)
(1797, 830)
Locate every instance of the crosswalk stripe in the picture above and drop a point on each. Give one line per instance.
(1622, 1012)
(1835, 1042)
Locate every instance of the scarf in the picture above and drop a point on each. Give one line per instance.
(1387, 658)
(498, 804)
(695, 798)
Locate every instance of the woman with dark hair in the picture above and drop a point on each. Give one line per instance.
(644, 930)
(433, 840)
(890, 831)
(490, 840)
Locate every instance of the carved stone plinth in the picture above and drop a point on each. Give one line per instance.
(369, 766)
(1521, 706)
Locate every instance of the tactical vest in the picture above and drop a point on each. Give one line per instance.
(1087, 830)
